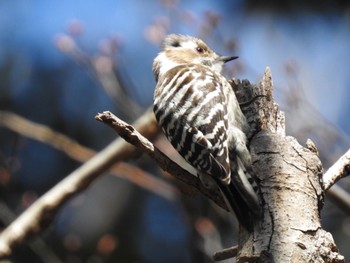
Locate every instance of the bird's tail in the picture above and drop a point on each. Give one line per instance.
(242, 196)
(237, 205)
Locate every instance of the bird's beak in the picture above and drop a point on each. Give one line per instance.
(227, 59)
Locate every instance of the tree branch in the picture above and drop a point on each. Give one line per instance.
(131, 135)
(42, 211)
(80, 153)
(338, 170)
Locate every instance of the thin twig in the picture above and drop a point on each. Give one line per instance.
(103, 70)
(338, 170)
(131, 135)
(227, 253)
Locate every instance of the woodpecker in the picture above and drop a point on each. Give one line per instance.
(199, 114)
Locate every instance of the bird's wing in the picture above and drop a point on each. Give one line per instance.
(204, 159)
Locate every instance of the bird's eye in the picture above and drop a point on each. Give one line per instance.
(175, 44)
(199, 49)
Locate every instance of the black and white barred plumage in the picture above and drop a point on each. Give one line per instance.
(200, 115)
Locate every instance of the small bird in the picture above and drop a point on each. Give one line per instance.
(199, 114)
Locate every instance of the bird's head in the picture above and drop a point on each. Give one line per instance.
(180, 49)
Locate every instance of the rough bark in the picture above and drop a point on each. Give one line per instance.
(291, 186)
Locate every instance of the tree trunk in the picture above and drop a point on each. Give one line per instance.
(291, 186)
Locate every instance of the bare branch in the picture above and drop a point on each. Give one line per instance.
(40, 213)
(80, 153)
(131, 135)
(102, 67)
(46, 135)
(39, 246)
(339, 170)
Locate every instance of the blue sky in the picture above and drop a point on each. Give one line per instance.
(317, 43)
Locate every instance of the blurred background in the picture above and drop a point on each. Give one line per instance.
(61, 62)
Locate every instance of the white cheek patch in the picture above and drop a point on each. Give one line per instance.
(218, 66)
(165, 63)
